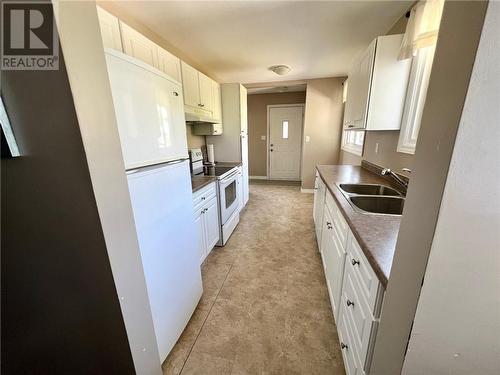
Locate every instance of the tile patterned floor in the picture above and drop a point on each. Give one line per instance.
(265, 307)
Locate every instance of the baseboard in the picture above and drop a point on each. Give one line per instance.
(307, 191)
(257, 177)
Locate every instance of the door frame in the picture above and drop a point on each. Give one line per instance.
(268, 159)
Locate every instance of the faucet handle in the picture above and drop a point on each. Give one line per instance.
(407, 170)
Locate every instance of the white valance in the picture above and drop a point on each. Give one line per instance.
(422, 28)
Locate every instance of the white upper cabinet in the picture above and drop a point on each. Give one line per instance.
(110, 30)
(169, 64)
(216, 101)
(202, 96)
(377, 87)
(191, 85)
(205, 92)
(137, 45)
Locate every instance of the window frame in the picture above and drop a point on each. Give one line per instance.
(353, 147)
(415, 100)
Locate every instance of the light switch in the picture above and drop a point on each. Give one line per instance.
(376, 148)
(308, 139)
(262, 137)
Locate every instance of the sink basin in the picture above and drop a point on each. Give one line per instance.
(379, 204)
(368, 189)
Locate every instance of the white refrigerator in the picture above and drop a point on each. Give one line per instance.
(150, 115)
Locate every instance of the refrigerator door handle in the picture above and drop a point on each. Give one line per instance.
(135, 170)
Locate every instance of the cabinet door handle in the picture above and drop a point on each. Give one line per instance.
(202, 105)
(350, 303)
(355, 262)
(202, 198)
(176, 93)
(205, 210)
(350, 126)
(343, 346)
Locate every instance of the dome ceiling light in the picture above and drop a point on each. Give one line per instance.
(280, 69)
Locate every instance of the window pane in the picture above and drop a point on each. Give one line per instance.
(285, 129)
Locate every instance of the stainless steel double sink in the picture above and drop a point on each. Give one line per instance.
(373, 198)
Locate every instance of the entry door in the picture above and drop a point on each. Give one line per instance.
(285, 142)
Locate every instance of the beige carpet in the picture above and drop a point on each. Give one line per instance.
(265, 307)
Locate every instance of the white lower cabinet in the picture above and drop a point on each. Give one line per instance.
(206, 217)
(355, 292)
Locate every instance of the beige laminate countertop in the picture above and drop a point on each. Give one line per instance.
(376, 234)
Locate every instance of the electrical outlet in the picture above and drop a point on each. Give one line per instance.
(262, 137)
(308, 139)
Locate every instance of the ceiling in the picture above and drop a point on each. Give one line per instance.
(276, 89)
(237, 41)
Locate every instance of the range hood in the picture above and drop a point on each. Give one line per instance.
(198, 118)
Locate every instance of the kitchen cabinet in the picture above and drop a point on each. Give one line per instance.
(169, 64)
(356, 294)
(377, 87)
(333, 251)
(319, 204)
(199, 94)
(206, 217)
(216, 102)
(137, 45)
(232, 145)
(110, 30)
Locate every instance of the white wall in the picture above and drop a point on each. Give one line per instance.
(84, 56)
(457, 324)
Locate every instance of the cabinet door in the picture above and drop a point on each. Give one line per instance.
(110, 30)
(362, 83)
(216, 102)
(200, 233)
(212, 227)
(205, 92)
(169, 64)
(190, 85)
(137, 45)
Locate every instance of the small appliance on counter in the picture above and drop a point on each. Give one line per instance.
(228, 191)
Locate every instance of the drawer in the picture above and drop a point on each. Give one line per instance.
(369, 285)
(348, 348)
(339, 222)
(204, 195)
(355, 307)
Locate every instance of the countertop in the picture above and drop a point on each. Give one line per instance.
(376, 234)
(197, 182)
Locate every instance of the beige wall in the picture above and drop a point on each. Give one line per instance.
(257, 126)
(387, 155)
(194, 141)
(322, 124)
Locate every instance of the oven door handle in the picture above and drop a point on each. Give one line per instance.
(229, 178)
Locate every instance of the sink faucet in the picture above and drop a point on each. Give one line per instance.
(387, 171)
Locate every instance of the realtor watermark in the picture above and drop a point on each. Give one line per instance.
(29, 39)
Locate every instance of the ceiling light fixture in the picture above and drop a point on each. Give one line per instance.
(280, 69)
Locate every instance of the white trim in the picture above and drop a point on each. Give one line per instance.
(257, 177)
(269, 106)
(307, 191)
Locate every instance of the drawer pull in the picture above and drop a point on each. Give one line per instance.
(202, 198)
(329, 225)
(355, 262)
(343, 346)
(350, 303)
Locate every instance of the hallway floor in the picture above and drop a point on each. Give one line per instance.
(265, 307)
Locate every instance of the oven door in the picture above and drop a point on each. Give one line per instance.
(229, 196)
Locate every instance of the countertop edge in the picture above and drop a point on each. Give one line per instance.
(376, 266)
(206, 180)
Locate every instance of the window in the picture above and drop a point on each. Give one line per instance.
(352, 141)
(285, 129)
(415, 99)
